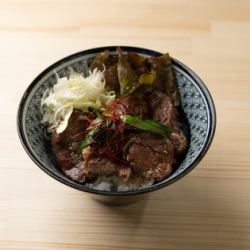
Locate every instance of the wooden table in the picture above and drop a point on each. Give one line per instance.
(209, 208)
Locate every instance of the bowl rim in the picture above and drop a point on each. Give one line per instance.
(80, 187)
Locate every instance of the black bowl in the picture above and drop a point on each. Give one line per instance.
(196, 100)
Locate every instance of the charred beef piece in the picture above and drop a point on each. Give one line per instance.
(150, 156)
(165, 76)
(134, 106)
(95, 166)
(65, 146)
(138, 63)
(99, 166)
(111, 78)
(102, 61)
(86, 166)
(108, 64)
(179, 141)
(163, 110)
(74, 131)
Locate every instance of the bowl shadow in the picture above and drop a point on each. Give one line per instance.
(183, 216)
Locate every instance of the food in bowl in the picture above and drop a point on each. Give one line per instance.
(119, 128)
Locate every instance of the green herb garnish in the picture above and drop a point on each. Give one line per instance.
(148, 125)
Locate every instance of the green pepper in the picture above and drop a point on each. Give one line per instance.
(148, 78)
(126, 75)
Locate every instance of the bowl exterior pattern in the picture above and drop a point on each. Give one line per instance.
(196, 103)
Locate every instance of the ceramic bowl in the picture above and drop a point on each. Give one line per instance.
(197, 105)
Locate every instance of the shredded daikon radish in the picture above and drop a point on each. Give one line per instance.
(76, 92)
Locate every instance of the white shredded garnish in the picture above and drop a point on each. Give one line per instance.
(76, 92)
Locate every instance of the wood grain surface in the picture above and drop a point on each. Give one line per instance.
(210, 207)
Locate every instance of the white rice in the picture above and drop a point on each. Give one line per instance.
(114, 183)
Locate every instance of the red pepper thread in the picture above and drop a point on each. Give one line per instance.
(112, 130)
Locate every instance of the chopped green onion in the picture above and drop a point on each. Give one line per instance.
(148, 125)
(152, 126)
(85, 143)
(89, 138)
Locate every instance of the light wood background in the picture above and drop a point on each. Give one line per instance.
(209, 208)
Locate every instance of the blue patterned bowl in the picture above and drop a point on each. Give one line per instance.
(196, 102)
